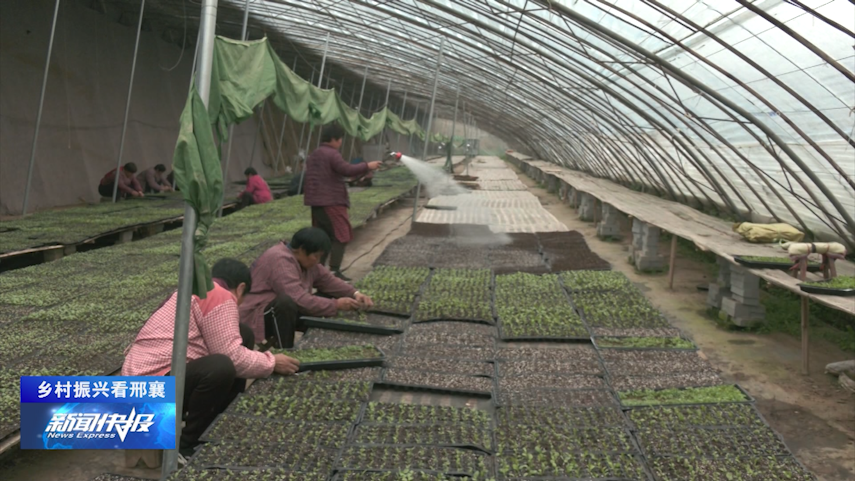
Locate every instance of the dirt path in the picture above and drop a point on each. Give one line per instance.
(814, 415)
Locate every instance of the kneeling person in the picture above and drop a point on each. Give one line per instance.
(282, 282)
(220, 355)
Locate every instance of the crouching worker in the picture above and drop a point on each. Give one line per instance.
(220, 355)
(282, 282)
(257, 191)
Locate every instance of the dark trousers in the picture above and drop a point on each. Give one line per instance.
(281, 321)
(210, 385)
(106, 190)
(245, 200)
(336, 254)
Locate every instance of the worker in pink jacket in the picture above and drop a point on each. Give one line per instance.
(257, 190)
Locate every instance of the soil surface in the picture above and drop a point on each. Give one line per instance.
(813, 414)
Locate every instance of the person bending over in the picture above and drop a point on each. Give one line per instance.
(153, 180)
(220, 355)
(282, 282)
(128, 184)
(257, 190)
(325, 192)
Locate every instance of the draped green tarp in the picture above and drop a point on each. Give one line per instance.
(244, 75)
(247, 73)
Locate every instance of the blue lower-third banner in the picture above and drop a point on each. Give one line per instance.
(128, 412)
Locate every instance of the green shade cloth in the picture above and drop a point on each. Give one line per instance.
(244, 75)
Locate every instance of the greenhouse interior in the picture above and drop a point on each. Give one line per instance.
(557, 223)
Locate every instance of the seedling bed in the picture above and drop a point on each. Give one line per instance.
(714, 443)
(192, 473)
(447, 460)
(452, 327)
(403, 475)
(559, 353)
(451, 351)
(345, 357)
(576, 466)
(557, 398)
(527, 366)
(706, 415)
(442, 435)
(666, 381)
(684, 397)
(291, 457)
(542, 417)
(635, 332)
(438, 382)
(117, 477)
(602, 309)
(647, 343)
(452, 256)
(415, 338)
(351, 375)
(536, 380)
(318, 390)
(728, 469)
(372, 324)
(512, 439)
(449, 366)
(783, 263)
(412, 414)
(541, 333)
(326, 339)
(648, 363)
(234, 429)
(839, 286)
(596, 281)
(579, 260)
(284, 407)
(409, 252)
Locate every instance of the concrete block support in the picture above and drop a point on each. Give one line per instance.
(645, 247)
(609, 226)
(742, 305)
(721, 287)
(586, 207)
(563, 190)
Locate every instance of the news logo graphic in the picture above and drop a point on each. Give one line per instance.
(97, 412)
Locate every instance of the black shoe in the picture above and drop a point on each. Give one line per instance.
(341, 276)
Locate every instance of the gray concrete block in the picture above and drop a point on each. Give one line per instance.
(741, 314)
(715, 295)
(752, 291)
(649, 263)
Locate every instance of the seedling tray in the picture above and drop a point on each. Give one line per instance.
(393, 475)
(341, 325)
(583, 340)
(600, 398)
(637, 348)
(348, 364)
(748, 399)
(455, 319)
(828, 291)
(432, 389)
(752, 264)
(335, 438)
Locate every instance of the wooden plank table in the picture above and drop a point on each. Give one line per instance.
(706, 232)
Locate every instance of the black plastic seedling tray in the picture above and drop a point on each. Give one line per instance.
(341, 325)
(348, 364)
(441, 207)
(431, 389)
(636, 348)
(811, 267)
(828, 291)
(748, 399)
(580, 339)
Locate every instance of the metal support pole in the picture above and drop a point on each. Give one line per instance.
(258, 132)
(349, 152)
(385, 106)
(320, 80)
(403, 109)
(39, 114)
(427, 131)
(450, 165)
(281, 133)
(207, 25)
(359, 106)
(303, 129)
(416, 118)
(128, 103)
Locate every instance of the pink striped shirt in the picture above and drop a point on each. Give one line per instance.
(213, 330)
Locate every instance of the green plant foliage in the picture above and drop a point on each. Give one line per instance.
(695, 395)
(389, 413)
(783, 310)
(345, 353)
(628, 310)
(839, 282)
(536, 306)
(596, 281)
(702, 468)
(457, 294)
(393, 289)
(646, 342)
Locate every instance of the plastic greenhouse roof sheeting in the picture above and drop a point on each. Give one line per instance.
(743, 104)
